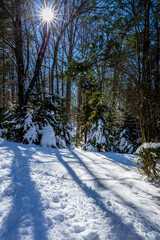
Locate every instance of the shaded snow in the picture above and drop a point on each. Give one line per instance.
(58, 194)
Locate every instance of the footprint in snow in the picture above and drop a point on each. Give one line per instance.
(49, 221)
(109, 203)
(91, 236)
(72, 214)
(55, 199)
(63, 205)
(59, 217)
(24, 232)
(79, 229)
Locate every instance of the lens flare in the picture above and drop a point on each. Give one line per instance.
(47, 14)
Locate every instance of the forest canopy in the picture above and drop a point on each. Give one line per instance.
(91, 64)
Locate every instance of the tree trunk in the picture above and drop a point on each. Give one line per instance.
(39, 61)
(3, 86)
(68, 87)
(19, 51)
(147, 111)
(79, 114)
(114, 89)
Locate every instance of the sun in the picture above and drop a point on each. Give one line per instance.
(47, 14)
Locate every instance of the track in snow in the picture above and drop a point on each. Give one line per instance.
(53, 194)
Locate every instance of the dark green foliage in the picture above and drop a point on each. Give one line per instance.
(133, 125)
(129, 136)
(93, 107)
(1, 117)
(59, 108)
(148, 162)
(14, 123)
(42, 110)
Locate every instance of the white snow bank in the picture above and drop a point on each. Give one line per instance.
(147, 145)
(48, 137)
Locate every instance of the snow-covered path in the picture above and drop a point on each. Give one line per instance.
(53, 194)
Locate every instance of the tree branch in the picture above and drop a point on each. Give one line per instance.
(1, 49)
(8, 43)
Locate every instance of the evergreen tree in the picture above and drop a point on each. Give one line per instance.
(129, 137)
(37, 124)
(98, 138)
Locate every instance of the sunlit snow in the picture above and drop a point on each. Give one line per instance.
(58, 194)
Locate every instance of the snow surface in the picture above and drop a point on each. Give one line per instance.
(58, 194)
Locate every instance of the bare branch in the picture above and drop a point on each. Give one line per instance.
(1, 49)
(8, 43)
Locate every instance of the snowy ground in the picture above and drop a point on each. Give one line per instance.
(52, 194)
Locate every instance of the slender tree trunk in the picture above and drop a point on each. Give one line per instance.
(39, 61)
(157, 67)
(79, 114)
(12, 84)
(57, 79)
(68, 86)
(19, 50)
(3, 86)
(115, 84)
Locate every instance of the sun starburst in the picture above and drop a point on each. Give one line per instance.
(47, 14)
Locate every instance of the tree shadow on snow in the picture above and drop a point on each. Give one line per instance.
(26, 211)
(120, 158)
(120, 198)
(98, 182)
(120, 229)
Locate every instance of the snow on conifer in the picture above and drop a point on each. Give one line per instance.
(31, 129)
(145, 145)
(98, 139)
(129, 137)
(37, 123)
(125, 145)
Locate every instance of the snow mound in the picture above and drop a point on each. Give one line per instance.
(147, 145)
(48, 137)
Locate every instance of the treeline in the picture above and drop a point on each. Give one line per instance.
(100, 57)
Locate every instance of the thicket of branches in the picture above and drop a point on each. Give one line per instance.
(101, 57)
